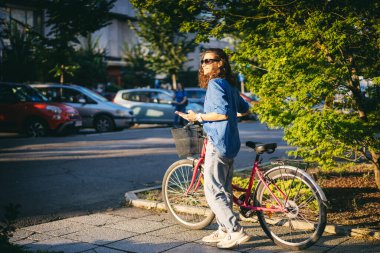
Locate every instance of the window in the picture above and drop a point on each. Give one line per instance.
(27, 16)
(163, 98)
(137, 96)
(52, 94)
(72, 96)
(26, 94)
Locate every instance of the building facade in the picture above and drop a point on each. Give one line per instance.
(111, 39)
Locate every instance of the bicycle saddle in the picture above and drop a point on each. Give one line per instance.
(260, 148)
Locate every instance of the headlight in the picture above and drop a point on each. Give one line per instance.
(54, 109)
(123, 113)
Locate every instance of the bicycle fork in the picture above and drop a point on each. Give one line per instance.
(194, 180)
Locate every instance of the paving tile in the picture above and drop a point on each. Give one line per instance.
(197, 248)
(60, 244)
(23, 242)
(98, 219)
(132, 212)
(355, 245)
(260, 244)
(39, 237)
(328, 240)
(180, 233)
(145, 244)
(103, 250)
(69, 230)
(20, 234)
(54, 225)
(160, 216)
(99, 235)
(138, 225)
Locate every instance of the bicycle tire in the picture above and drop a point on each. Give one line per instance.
(190, 210)
(305, 221)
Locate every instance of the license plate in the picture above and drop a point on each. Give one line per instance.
(78, 123)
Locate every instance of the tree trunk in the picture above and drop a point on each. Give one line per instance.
(174, 81)
(376, 161)
(61, 79)
(358, 96)
(377, 177)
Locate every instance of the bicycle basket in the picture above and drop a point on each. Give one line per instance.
(188, 140)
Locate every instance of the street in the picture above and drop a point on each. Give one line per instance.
(55, 177)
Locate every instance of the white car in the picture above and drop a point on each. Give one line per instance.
(151, 106)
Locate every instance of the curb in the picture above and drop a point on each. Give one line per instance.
(132, 200)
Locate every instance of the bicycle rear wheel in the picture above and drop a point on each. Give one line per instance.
(305, 219)
(188, 209)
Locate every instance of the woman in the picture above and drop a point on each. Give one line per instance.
(222, 106)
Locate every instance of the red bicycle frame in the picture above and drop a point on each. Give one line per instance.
(197, 180)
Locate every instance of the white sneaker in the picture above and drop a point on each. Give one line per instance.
(216, 236)
(233, 239)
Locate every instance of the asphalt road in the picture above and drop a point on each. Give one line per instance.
(56, 177)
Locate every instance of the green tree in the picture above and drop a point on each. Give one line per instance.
(297, 55)
(92, 68)
(137, 72)
(20, 55)
(67, 20)
(160, 33)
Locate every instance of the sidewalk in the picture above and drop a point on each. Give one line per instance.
(132, 229)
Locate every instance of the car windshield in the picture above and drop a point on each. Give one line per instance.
(94, 95)
(27, 94)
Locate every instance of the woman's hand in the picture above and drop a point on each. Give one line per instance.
(242, 114)
(190, 116)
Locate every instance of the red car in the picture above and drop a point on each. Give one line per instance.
(25, 110)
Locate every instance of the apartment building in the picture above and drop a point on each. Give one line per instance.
(111, 38)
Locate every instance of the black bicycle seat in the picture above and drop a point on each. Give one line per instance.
(260, 148)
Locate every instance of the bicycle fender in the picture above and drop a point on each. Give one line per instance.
(304, 174)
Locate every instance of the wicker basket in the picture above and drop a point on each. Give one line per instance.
(188, 140)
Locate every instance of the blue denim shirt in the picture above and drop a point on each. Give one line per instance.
(222, 98)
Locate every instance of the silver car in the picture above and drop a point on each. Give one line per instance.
(96, 111)
(151, 106)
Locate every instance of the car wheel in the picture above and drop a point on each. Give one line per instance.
(35, 128)
(104, 123)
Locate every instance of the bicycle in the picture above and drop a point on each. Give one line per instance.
(290, 206)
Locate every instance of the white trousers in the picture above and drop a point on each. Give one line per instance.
(218, 189)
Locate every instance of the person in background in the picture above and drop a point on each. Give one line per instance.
(222, 107)
(157, 84)
(180, 103)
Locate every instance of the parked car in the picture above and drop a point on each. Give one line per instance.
(196, 95)
(251, 99)
(151, 106)
(96, 111)
(24, 110)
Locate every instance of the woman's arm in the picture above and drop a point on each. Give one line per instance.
(192, 116)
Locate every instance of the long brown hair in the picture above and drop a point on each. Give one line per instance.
(223, 72)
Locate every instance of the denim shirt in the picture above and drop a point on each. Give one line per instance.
(222, 98)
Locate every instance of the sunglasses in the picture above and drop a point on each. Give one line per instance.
(209, 61)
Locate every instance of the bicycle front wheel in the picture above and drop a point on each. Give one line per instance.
(188, 208)
(304, 220)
